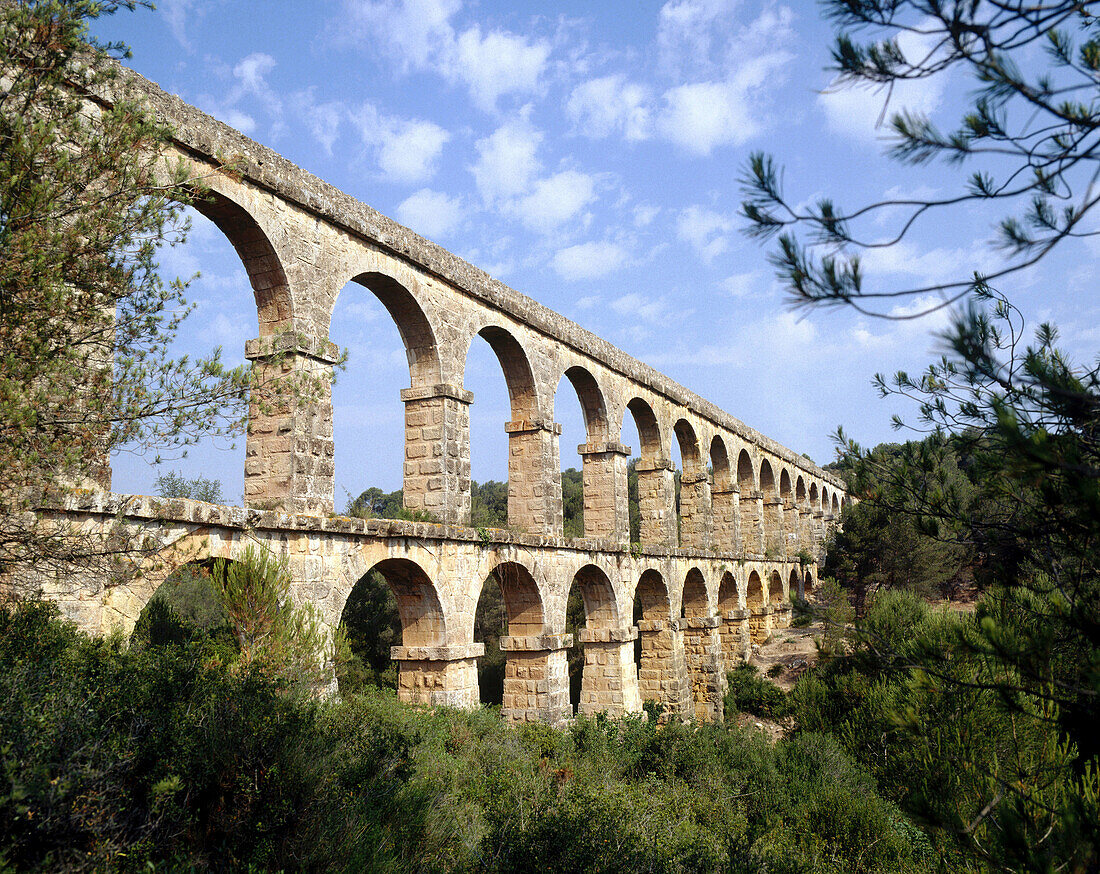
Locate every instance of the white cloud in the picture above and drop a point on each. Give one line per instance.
(589, 260)
(176, 13)
(412, 31)
(601, 107)
(864, 113)
(407, 149)
(639, 306)
(745, 285)
(703, 115)
(555, 200)
(506, 161)
(644, 214)
(322, 119)
(243, 122)
(420, 36)
(705, 230)
(685, 30)
(496, 64)
(431, 213)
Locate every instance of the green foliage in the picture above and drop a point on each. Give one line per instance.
(371, 625)
(175, 485)
(572, 501)
(86, 323)
(750, 693)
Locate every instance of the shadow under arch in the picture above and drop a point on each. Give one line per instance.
(603, 475)
(794, 584)
(775, 589)
(412, 324)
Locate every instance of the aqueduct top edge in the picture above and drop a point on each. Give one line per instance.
(216, 142)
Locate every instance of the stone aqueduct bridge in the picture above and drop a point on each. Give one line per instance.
(704, 592)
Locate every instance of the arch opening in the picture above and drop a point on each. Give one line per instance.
(595, 667)
(653, 481)
(394, 603)
(733, 644)
(590, 485)
(724, 501)
(509, 605)
(368, 407)
(185, 606)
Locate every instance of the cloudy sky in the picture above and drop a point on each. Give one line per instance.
(587, 155)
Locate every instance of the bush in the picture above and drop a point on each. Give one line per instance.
(750, 693)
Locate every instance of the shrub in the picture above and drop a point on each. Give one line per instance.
(750, 693)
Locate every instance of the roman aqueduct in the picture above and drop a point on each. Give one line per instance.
(707, 586)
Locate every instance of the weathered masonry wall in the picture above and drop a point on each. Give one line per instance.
(301, 241)
(708, 578)
(698, 609)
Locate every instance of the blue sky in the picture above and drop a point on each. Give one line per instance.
(587, 155)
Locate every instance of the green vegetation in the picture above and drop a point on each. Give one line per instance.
(175, 485)
(174, 754)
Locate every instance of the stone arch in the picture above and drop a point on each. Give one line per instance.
(800, 491)
(767, 479)
(754, 593)
(733, 625)
(775, 589)
(825, 500)
(526, 658)
(603, 464)
(814, 505)
(794, 583)
(652, 597)
(723, 500)
(609, 679)
(785, 491)
(601, 610)
(516, 365)
(694, 489)
(702, 648)
(694, 602)
(649, 431)
(591, 398)
(656, 491)
(422, 619)
(534, 479)
(660, 651)
(774, 539)
(756, 601)
(262, 264)
(809, 581)
(689, 447)
(751, 523)
(412, 324)
(522, 598)
(836, 505)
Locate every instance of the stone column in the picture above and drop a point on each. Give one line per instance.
(534, 476)
(695, 519)
(609, 682)
(790, 529)
(439, 676)
(703, 651)
(760, 626)
(536, 679)
(725, 507)
(818, 535)
(736, 639)
(289, 455)
(606, 508)
(657, 502)
(752, 524)
(663, 674)
(806, 529)
(773, 528)
(437, 451)
(781, 618)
